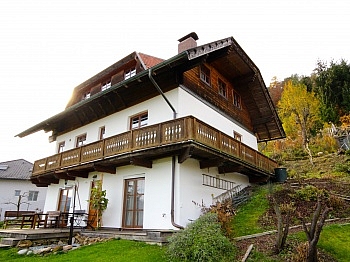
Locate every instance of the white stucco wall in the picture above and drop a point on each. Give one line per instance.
(7, 194)
(159, 111)
(191, 194)
(157, 198)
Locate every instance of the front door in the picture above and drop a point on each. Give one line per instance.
(66, 196)
(133, 203)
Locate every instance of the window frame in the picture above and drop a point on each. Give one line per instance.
(101, 132)
(33, 195)
(106, 84)
(222, 88)
(60, 146)
(237, 101)
(129, 73)
(139, 118)
(204, 74)
(78, 141)
(237, 136)
(86, 95)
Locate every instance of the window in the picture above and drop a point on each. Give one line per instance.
(33, 195)
(80, 140)
(129, 73)
(61, 147)
(236, 100)
(17, 192)
(237, 136)
(86, 95)
(106, 85)
(102, 132)
(222, 88)
(139, 120)
(205, 74)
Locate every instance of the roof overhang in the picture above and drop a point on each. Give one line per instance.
(225, 54)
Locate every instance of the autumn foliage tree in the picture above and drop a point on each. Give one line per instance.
(299, 112)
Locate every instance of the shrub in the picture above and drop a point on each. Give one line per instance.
(310, 193)
(202, 240)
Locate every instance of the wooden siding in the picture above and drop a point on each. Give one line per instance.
(191, 79)
(167, 133)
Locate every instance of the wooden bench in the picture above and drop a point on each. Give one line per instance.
(19, 218)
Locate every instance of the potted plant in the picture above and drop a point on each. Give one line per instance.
(98, 201)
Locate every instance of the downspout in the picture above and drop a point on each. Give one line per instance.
(173, 161)
(161, 92)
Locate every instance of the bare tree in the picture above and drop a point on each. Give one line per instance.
(22, 199)
(314, 230)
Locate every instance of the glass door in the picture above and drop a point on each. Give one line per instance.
(133, 203)
(66, 196)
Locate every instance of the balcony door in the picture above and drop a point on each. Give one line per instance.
(133, 203)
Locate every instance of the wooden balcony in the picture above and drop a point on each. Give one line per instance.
(185, 137)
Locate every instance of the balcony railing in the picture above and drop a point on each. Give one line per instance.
(166, 133)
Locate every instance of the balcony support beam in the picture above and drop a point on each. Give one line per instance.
(185, 154)
(48, 180)
(141, 162)
(210, 163)
(83, 174)
(230, 169)
(105, 169)
(64, 176)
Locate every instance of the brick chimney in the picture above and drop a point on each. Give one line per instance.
(187, 42)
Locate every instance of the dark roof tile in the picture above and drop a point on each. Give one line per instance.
(16, 169)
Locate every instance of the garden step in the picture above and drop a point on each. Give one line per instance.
(9, 241)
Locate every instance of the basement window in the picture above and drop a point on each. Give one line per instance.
(205, 74)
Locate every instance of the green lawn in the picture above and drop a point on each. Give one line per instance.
(114, 250)
(335, 240)
(245, 222)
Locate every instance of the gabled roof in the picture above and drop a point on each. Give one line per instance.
(149, 61)
(225, 54)
(16, 169)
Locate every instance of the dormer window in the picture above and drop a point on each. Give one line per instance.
(86, 95)
(129, 73)
(106, 85)
(205, 74)
(222, 88)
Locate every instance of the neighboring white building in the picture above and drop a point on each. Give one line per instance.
(161, 135)
(15, 183)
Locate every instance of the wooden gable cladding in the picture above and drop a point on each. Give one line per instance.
(210, 93)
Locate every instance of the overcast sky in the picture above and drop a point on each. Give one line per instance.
(48, 47)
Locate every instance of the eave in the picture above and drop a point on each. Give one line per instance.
(225, 55)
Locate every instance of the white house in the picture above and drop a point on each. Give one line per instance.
(16, 189)
(161, 135)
